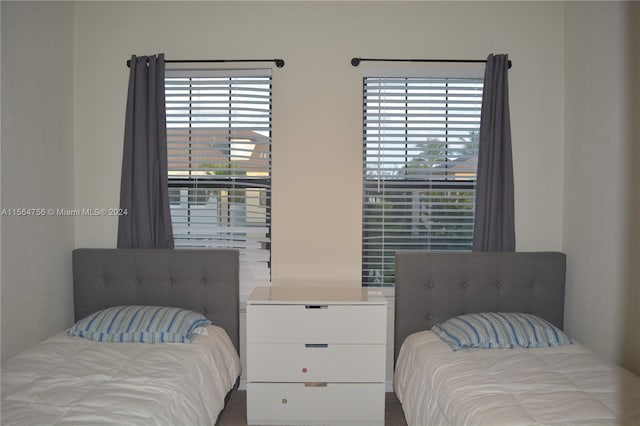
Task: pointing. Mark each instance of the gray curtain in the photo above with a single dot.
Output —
(144, 189)
(494, 226)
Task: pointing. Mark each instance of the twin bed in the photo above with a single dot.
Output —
(71, 380)
(532, 379)
(540, 379)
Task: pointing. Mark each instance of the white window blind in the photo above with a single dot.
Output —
(219, 150)
(420, 159)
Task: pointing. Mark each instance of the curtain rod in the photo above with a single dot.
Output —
(279, 62)
(356, 61)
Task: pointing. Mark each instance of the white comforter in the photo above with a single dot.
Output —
(566, 385)
(73, 381)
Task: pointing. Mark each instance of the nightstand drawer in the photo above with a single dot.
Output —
(315, 362)
(316, 323)
(315, 403)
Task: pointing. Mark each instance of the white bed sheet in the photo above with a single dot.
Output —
(74, 381)
(566, 385)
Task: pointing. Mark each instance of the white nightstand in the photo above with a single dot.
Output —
(316, 356)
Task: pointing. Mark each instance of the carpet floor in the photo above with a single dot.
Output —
(235, 412)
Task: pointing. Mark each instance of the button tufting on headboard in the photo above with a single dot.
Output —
(163, 277)
(521, 281)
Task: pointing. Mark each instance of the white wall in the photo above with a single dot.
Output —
(317, 118)
(37, 170)
(631, 341)
(599, 180)
(317, 130)
(317, 126)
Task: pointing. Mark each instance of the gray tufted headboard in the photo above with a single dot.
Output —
(202, 280)
(432, 287)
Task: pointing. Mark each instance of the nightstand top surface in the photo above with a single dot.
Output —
(330, 295)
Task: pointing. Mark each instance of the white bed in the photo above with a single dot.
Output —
(102, 373)
(75, 381)
(537, 386)
(500, 312)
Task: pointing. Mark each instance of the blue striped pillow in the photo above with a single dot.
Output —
(144, 324)
(499, 330)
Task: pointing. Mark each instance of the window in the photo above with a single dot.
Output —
(420, 158)
(219, 149)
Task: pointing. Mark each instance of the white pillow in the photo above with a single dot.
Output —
(144, 324)
(499, 330)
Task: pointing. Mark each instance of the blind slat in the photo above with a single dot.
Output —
(420, 147)
(219, 155)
